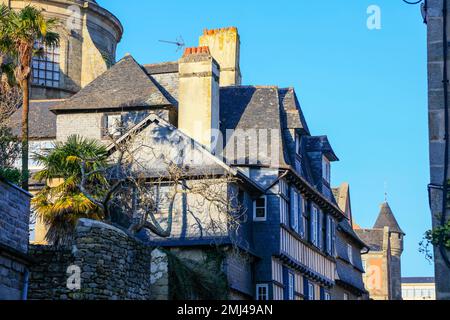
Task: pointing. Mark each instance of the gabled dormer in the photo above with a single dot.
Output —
(321, 155)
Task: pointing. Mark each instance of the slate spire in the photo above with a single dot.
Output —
(386, 218)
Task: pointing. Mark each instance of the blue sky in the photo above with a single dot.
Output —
(365, 89)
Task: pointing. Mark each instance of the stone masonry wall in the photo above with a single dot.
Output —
(105, 262)
(436, 113)
(14, 221)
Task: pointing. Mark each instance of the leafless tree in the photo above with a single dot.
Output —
(10, 100)
(149, 190)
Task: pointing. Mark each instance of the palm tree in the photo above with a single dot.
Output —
(61, 203)
(20, 31)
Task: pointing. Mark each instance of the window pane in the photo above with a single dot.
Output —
(261, 203)
(260, 213)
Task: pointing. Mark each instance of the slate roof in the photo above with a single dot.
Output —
(418, 280)
(345, 226)
(386, 218)
(321, 143)
(125, 85)
(42, 120)
(252, 107)
(291, 113)
(348, 274)
(372, 237)
(340, 195)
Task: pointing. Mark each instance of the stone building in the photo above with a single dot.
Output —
(383, 262)
(437, 16)
(89, 35)
(349, 266)
(14, 259)
(418, 288)
(288, 239)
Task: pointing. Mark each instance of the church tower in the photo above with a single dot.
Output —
(89, 37)
(387, 219)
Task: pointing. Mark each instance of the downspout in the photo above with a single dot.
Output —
(26, 279)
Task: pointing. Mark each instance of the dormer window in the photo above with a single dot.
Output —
(326, 169)
(298, 144)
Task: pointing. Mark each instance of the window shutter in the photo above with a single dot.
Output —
(322, 293)
(292, 206)
(301, 226)
(286, 283)
(333, 237)
(305, 288)
(319, 229)
(104, 125)
(312, 223)
(330, 236)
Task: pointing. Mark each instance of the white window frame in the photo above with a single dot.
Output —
(315, 223)
(346, 296)
(329, 235)
(311, 291)
(260, 219)
(327, 296)
(295, 210)
(291, 286)
(265, 296)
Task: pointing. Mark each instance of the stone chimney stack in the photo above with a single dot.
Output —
(224, 45)
(198, 100)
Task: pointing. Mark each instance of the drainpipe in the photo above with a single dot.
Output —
(26, 278)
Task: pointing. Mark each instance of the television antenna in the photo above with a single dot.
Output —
(179, 43)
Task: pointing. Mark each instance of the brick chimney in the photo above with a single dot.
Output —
(224, 45)
(198, 99)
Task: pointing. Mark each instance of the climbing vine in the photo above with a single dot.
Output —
(437, 237)
(198, 280)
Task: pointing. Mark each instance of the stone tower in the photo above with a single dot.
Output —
(382, 263)
(385, 219)
(89, 36)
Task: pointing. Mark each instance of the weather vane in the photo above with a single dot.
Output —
(385, 191)
(179, 43)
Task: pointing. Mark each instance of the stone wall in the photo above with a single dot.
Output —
(104, 263)
(14, 221)
(436, 113)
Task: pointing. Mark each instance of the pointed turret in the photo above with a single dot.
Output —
(386, 218)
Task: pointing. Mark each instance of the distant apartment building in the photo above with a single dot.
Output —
(418, 288)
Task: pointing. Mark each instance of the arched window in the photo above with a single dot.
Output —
(46, 71)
